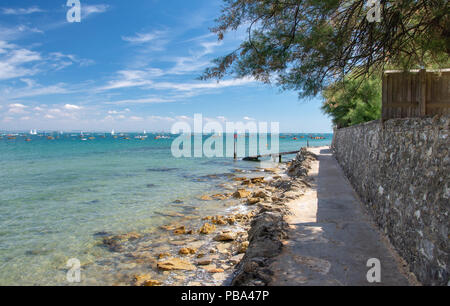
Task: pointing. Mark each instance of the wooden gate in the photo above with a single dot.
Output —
(415, 93)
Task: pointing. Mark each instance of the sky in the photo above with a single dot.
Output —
(129, 66)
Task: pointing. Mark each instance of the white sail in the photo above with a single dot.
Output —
(113, 132)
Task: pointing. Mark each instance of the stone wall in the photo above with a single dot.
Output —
(400, 169)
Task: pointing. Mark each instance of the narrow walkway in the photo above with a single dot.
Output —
(331, 237)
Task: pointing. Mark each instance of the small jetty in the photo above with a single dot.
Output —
(275, 155)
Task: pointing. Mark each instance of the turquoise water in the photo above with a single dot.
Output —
(55, 195)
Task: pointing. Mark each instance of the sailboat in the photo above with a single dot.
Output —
(33, 132)
(113, 133)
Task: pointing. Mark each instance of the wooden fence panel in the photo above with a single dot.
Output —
(415, 94)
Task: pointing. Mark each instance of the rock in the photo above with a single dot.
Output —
(168, 227)
(219, 220)
(221, 196)
(253, 201)
(231, 220)
(241, 193)
(205, 198)
(267, 233)
(225, 237)
(140, 255)
(209, 267)
(224, 248)
(257, 180)
(236, 259)
(187, 251)
(260, 194)
(246, 182)
(243, 247)
(162, 255)
(216, 270)
(219, 276)
(239, 179)
(152, 283)
(204, 261)
(180, 231)
(114, 242)
(207, 229)
(175, 264)
(177, 242)
(139, 280)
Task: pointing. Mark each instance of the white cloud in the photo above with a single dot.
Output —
(249, 118)
(22, 11)
(133, 78)
(142, 37)
(151, 100)
(39, 91)
(161, 118)
(17, 108)
(182, 117)
(72, 107)
(30, 83)
(48, 116)
(114, 112)
(136, 118)
(13, 60)
(60, 60)
(16, 32)
(17, 105)
(203, 85)
(87, 10)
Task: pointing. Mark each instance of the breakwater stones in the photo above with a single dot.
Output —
(269, 228)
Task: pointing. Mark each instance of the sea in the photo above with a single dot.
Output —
(61, 193)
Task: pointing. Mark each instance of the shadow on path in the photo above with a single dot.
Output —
(331, 237)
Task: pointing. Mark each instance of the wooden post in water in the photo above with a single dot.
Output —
(235, 139)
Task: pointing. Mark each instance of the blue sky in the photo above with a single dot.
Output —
(129, 65)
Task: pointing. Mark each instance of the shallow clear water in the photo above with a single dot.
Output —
(55, 195)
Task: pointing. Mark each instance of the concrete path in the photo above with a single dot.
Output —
(331, 237)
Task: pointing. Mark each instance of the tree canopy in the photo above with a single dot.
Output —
(354, 100)
(306, 45)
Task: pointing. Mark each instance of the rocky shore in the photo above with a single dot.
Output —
(268, 227)
(229, 249)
